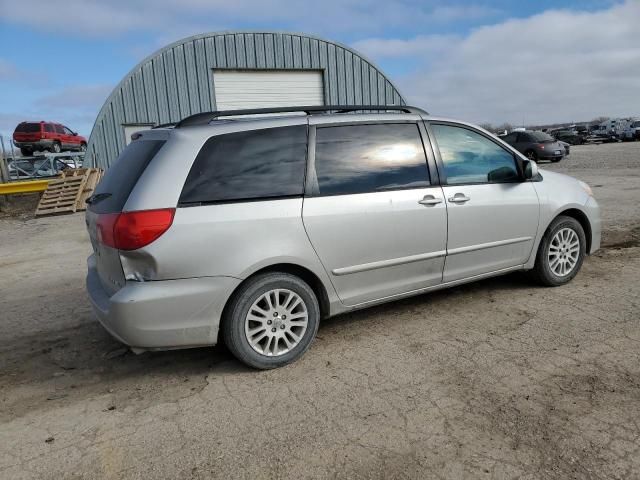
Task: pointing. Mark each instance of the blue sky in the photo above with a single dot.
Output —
(483, 61)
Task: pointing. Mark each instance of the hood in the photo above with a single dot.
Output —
(561, 187)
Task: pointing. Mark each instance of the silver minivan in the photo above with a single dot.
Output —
(251, 229)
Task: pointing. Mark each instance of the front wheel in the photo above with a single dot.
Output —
(83, 147)
(561, 252)
(271, 320)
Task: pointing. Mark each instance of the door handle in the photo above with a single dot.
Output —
(430, 200)
(459, 198)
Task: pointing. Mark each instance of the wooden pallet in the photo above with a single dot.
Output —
(68, 192)
(93, 176)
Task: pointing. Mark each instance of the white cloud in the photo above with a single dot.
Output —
(417, 48)
(77, 97)
(100, 18)
(556, 66)
(75, 106)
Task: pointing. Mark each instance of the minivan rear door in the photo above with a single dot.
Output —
(109, 198)
(372, 213)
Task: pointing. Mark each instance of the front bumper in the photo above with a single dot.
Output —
(593, 213)
(161, 314)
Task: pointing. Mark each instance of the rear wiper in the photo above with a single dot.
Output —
(97, 197)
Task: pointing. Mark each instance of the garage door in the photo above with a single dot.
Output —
(236, 89)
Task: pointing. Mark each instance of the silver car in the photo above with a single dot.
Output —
(253, 229)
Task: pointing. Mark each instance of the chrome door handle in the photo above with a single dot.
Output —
(430, 200)
(459, 198)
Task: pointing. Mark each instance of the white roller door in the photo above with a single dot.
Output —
(237, 89)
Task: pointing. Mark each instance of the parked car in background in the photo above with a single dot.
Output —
(536, 145)
(42, 136)
(567, 147)
(581, 129)
(350, 211)
(632, 132)
(571, 137)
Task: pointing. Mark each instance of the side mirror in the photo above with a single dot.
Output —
(530, 169)
(75, 134)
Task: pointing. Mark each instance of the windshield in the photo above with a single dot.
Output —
(541, 137)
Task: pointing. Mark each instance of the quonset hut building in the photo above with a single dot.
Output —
(232, 70)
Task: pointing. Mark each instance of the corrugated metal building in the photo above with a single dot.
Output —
(221, 71)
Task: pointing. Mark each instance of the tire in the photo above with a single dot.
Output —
(83, 147)
(531, 155)
(26, 152)
(55, 147)
(545, 271)
(251, 298)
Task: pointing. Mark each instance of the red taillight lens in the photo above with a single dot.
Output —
(541, 145)
(133, 230)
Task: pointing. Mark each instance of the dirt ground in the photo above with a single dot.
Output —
(497, 379)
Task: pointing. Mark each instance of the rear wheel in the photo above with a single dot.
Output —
(561, 252)
(56, 148)
(26, 151)
(531, 155)
(271, 320)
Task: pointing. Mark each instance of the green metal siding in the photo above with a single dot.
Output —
(177, 81)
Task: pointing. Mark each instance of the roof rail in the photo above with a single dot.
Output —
(205, 117)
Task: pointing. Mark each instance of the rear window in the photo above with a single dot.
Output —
(28, 127)
(116, 185)
(257, 164)
(540, 137)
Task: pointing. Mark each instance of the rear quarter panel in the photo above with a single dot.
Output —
(231, 240)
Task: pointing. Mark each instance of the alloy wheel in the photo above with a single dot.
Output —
(564, 252)
(276, 322)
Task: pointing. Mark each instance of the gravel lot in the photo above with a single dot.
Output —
(497, 379)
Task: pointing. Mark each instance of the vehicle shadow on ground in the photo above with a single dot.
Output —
(87, 350)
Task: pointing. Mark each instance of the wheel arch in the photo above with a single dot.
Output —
(299, 271)
(582, 218)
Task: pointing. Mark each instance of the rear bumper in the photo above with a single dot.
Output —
(546, 156)
(161, 314)
(35, 144)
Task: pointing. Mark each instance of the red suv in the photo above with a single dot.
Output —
(54, 137)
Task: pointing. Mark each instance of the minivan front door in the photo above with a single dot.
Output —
(492, 213)
(371, 213)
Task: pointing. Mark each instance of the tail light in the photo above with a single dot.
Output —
(133, 230)
(541, 145)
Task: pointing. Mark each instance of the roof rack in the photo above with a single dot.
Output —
(205, 117)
